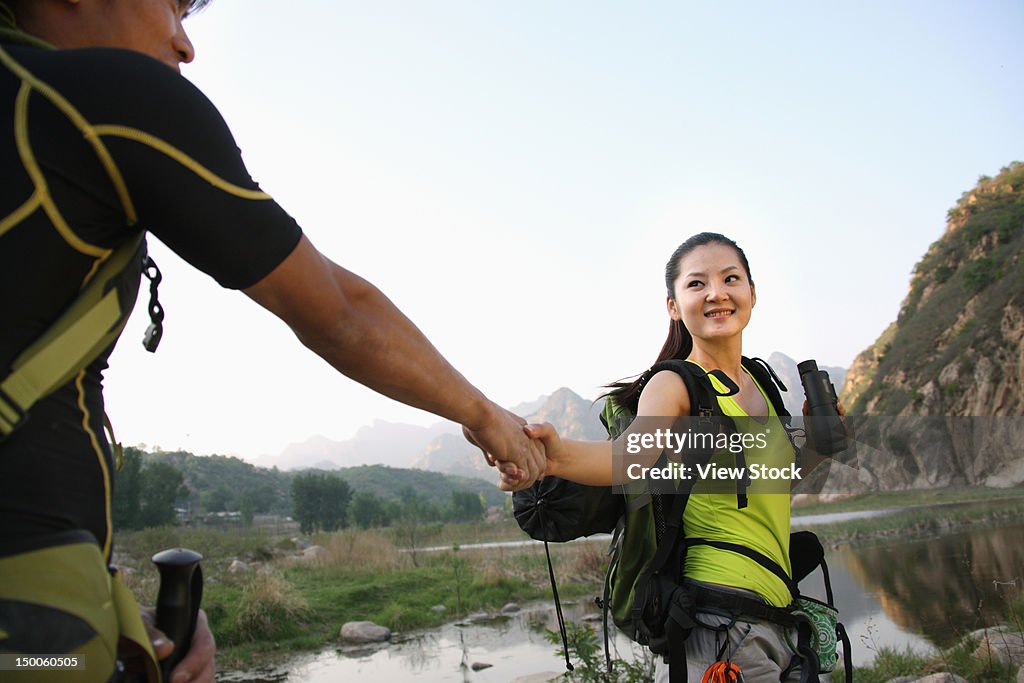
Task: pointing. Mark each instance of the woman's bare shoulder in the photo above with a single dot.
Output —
(664, 394)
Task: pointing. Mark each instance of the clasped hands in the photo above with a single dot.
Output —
(516, 449)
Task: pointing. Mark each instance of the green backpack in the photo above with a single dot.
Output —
(642, 590)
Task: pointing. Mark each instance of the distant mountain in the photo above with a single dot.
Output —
(529, 407)
(452, 454)
(574, 417)
(382, 443)
(785, 368)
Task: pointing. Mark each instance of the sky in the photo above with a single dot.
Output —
(514, 176)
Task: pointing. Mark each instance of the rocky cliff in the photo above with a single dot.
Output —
(955, 352)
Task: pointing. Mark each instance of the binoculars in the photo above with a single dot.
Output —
(826, 434)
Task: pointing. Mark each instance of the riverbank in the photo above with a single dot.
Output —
(281, 597)
(267, 598)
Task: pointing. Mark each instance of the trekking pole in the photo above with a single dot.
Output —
(177, 603)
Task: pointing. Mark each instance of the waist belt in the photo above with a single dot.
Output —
(735, 605)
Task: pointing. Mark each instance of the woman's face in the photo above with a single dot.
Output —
(713, 295)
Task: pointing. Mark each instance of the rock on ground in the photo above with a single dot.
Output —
(365, 632)
(1006, 646)
(315, 552)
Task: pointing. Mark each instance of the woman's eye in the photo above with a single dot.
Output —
(732, 278)
(694, 283)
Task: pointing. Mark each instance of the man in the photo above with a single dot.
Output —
(99, 146)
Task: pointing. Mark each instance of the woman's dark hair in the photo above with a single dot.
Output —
(679, 343)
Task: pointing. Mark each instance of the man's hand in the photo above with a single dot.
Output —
(554, 451)
(198, 666)
(505, 445)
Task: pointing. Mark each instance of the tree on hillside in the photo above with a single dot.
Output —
(125, 506)
(320, 501)
(416, 511)
(219, 499)
(246, 508)
(367, 510)
(161, 485)
(144, 495)
(466, 506)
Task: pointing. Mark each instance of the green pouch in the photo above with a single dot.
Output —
(823, 618)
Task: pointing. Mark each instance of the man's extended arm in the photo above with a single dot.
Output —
(353, 326)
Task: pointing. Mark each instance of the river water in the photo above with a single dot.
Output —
(920, 594)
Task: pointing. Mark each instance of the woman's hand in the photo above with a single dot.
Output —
(839, 408)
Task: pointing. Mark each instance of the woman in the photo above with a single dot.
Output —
(710, 299)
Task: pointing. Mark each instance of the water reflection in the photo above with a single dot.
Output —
(512, 646)
(943, 587)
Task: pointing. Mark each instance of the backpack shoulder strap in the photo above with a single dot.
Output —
(703, 395)
(91, 324)
(769, 381)
(771, 384)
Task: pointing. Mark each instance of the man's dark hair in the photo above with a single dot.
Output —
(195, 5)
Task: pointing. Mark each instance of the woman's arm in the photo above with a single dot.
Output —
(602, 463)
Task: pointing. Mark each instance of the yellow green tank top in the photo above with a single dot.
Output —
(763, 525)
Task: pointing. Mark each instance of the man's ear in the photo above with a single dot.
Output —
(673, 310)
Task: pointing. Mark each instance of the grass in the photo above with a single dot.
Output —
(900, 499)
(918, 520)
(965, 659)
(281, 604)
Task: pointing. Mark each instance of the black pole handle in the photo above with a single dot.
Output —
(177, 603)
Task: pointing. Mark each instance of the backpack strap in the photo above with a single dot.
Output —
(83, 331)
(703, 395)
(704, 403)
(763, 560)
(91, 323)
(769, 382)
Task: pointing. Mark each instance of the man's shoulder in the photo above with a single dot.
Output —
(88, 63)
(112, 86)
(92, 78)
